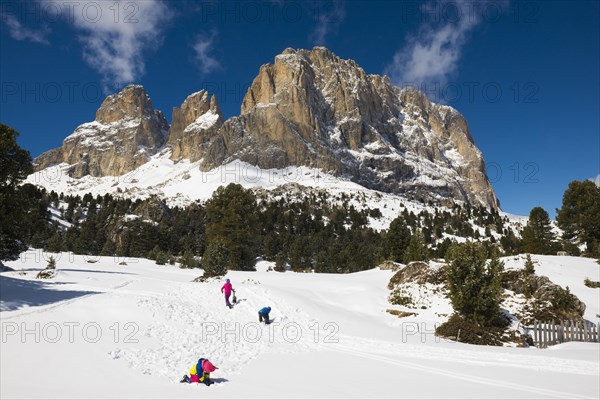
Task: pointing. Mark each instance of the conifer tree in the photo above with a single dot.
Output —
(232, 218)
(529, 266)
(108, 248)
(280, 262)
(161, 258)
(529, 272)
(51, 263)
(271, 246)
(322, 262)
(579, 217)
(474, 284)
(417, 249)
(538, 237)
(15, 165)
(299, 254)
(55, 243)
(189, 260)
(216, 259)
(397, 239)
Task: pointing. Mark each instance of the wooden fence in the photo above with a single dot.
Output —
(549, 333)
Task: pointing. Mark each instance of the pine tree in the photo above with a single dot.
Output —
(153, 254)
(231, 215)
(189, 260)
(216, 259)
(51, 263)
(397, 239)
(490, 296)
(55, 243)
(272, 246)
(70, 238)
(443, 247)
(161, 258)
(529, 266)
(529, 271)
(108, 248)
(439, 231)
(510, 243)
(69, 212)
(280, 262)
(299, 254)
(86, 242)
(579, 217)
(538, 237)
(143, 238)
(15, 165)
(417, 249)
(474, 285)
(322, 262)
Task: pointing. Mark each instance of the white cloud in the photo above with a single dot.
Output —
(432, 56)
(115, 35)
(19, 32)
(327, 20)
(203, 46)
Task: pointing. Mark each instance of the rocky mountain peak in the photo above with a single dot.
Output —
(312, 108)
(126, 132)
(194, 124)
(130, 103)
(214, 106)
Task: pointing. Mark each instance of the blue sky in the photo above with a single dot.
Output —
(525, 74)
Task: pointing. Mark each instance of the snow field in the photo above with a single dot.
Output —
(155, 323)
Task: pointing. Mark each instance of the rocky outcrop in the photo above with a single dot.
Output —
(311, 108)
(126, 132)
(194, 124)
(389, 266)
(152, 209)
(547, 300)
(418, 272)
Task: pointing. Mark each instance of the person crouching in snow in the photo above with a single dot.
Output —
(263, 314)
(227, 289)
(200, 373)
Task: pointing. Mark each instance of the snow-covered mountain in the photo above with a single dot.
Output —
(309, 109)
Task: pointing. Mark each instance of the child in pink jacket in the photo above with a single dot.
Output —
(227, 289)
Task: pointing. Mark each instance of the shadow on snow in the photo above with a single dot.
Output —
(18, 293)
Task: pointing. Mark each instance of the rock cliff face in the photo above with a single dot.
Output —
(127, 131)
(314, 109)
(310, 108)
(194, 124)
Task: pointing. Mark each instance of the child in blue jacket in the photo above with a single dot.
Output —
(263, 314)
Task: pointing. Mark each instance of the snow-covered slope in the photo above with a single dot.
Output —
(181, 183)
(106, 330)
